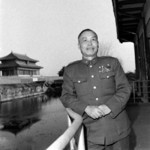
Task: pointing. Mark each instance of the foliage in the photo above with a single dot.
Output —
(131, 76)
(61, 72)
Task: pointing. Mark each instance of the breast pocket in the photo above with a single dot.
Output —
(81, 86)
(108, 79)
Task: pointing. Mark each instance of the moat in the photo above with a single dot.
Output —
(31, 123)
(34, 123)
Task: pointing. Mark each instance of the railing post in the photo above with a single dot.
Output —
(81, 144)
(133, 91)
(72, 141)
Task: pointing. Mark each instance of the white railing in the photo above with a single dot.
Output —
(68, 136)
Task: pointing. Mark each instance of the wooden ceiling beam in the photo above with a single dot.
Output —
(129, 24)
(131, 9)
(128, 2)
(129, 32)
(128, 20)
(128, 15)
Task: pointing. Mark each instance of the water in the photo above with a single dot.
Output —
(31, 123)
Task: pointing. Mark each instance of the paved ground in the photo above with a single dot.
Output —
(140, 118)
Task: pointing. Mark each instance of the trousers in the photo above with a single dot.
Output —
(122, 144)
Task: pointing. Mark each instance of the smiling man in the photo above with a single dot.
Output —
(97, 89)
(88, 44)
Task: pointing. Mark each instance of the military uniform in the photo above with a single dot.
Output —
(97, 82)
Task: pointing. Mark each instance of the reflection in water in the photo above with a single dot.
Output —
(19, 114)
(31, 123)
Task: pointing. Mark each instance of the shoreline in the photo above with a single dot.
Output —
(15, 87)
(19, 97)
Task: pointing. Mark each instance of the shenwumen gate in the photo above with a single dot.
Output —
(133, 25)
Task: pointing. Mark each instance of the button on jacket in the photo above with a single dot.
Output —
(97, 82)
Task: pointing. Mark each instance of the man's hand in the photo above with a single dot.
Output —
(94, 112)
(106, 110)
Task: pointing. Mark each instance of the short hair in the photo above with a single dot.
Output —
(85, 30)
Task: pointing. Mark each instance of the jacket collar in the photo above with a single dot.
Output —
(90, 62)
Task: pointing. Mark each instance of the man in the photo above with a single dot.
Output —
(97, 89)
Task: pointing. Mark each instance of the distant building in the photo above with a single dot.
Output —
(17, 64)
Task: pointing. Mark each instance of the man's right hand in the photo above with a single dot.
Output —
(94, 112)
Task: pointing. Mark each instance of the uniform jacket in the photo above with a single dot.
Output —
(96, 82)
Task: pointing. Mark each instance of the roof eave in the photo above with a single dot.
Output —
(127, 15)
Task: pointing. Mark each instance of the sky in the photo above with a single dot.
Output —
(47, 30)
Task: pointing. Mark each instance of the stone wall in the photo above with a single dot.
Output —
(14, 91)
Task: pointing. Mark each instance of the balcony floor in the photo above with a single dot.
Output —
(139, 115)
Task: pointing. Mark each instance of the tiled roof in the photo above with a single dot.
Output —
(29, 65)
(17, 64)
(13, 55)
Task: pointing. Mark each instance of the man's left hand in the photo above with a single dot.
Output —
(106, 110)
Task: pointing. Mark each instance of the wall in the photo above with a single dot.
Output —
(15, 91)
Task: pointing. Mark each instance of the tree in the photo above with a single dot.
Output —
(61, 72)
(131, 76)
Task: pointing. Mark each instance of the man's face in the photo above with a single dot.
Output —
(88, 44)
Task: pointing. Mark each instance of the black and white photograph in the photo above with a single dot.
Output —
(74, 74)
